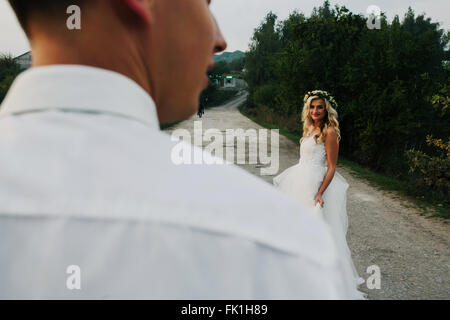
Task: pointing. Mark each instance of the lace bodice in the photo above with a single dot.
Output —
(312, 153)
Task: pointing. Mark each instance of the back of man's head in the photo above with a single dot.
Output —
(166, 46)
(45, 9)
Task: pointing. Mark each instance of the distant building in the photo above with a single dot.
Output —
(232, 82)
(24, 60)
(229, 81)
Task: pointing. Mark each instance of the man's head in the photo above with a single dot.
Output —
(167, 46)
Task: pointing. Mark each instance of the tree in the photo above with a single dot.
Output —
(9, 70)
(260, 60)
(384, 80)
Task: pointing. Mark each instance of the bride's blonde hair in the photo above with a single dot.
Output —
(330, 119)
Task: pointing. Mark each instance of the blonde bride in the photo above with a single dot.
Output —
(314, 181)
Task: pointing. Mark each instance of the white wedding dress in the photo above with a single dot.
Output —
(302, 181)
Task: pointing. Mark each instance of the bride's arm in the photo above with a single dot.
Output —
(332, 150)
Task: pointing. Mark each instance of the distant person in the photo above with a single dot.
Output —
(203, 100)
(91, 205)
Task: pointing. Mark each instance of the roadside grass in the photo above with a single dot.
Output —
(422, 199)
(219, 97)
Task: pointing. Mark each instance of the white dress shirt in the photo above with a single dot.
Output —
(86, 180)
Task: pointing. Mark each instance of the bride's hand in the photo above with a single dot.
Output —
(318, 199)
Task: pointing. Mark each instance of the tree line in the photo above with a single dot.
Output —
(232, 67)
(9, 70)
(391, 85)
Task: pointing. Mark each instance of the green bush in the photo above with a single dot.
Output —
(432, 172)
(219, 97)
(216, 96)
(9, 70)
(266, 95)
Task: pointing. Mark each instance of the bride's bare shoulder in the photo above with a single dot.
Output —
(332, 136)
(332, 133)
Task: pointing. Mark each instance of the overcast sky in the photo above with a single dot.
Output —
(238, 18)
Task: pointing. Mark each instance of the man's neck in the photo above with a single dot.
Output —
(48, 52)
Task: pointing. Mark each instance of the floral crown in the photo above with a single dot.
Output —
(322, 94)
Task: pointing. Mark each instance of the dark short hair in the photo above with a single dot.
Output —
(51, 8)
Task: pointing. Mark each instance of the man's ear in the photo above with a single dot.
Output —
(142, 8)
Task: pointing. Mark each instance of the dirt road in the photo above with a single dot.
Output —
(386, 230)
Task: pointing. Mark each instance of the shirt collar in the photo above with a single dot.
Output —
(79, 88)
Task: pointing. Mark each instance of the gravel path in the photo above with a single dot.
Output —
(385, 229)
